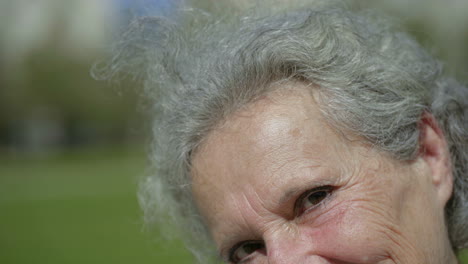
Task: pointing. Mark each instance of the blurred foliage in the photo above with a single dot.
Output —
(463, 257)
(62, 88)
(64, 84)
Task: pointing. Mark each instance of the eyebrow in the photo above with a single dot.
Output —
(296, 190)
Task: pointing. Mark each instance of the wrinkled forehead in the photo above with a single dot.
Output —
(271, 125)
(258, 126)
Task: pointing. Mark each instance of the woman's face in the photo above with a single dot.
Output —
(276, 184)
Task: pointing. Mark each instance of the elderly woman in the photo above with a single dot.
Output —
(301, 134)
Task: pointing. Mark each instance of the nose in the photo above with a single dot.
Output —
(291, 247)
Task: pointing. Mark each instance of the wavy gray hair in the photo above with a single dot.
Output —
(198, 68)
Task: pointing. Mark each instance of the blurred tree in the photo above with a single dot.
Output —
(47, 96)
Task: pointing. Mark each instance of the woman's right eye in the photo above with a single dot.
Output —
(312, 199)
(244, 250)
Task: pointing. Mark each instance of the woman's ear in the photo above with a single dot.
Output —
(433, 149)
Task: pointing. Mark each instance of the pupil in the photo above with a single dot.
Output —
(317, 197)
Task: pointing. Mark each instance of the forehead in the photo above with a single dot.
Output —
(255, 156)
(276, 119)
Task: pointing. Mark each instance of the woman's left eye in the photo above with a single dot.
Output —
(311, 199)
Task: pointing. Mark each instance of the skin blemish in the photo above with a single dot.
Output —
(295, 133)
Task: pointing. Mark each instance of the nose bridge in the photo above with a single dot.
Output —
(286, 245)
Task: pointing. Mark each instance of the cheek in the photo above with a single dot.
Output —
(352, 232)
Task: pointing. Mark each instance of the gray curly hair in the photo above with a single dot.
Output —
(199, 68)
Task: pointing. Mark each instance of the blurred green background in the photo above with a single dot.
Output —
(77, 207)
(72, 149)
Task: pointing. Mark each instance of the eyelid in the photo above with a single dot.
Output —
(300, 201)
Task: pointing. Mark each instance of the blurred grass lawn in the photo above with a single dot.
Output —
(78, 208)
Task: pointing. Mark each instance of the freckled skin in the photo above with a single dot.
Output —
(380, 211)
